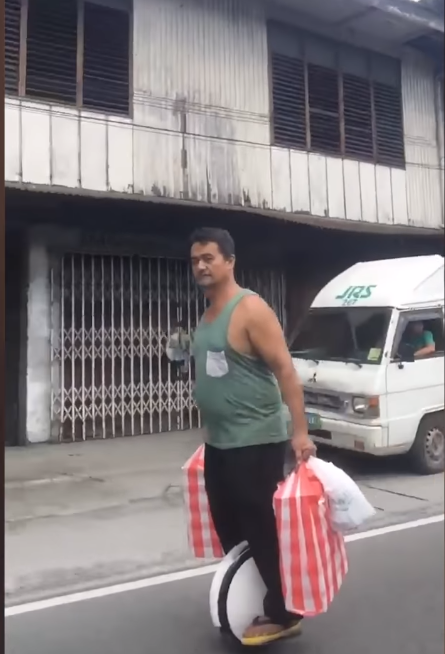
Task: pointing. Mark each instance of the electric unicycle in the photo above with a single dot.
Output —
(237, 593)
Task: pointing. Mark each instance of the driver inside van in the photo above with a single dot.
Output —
(420, 339)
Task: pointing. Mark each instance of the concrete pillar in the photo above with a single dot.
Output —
(38, 373)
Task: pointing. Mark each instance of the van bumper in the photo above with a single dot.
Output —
(355, 436)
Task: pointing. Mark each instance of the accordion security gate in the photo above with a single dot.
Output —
(112, 320)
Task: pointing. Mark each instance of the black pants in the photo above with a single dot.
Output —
(240, 485)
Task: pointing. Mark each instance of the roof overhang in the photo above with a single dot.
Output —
(395, 24)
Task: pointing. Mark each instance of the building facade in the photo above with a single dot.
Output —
(300, 112)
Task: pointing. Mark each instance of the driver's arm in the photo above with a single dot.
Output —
(429, 346)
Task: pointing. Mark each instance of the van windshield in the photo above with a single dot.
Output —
(349, 334)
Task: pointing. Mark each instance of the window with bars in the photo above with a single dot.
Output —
(70, 52)
(335, 100)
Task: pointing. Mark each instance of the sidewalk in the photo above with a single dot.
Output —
(57, 480)
(89, 514)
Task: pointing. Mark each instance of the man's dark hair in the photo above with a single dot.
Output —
(221, 237)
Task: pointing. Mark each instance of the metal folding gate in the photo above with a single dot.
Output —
(112, 319)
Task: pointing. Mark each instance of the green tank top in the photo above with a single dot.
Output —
(238, 396)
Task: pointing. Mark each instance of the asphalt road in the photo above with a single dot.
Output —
(391, 602)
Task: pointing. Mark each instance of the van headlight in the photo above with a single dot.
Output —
(368, 407)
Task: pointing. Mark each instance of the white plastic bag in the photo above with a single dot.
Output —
(348, 507)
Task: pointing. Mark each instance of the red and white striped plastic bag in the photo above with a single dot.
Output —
(203, 539)
(312, 555)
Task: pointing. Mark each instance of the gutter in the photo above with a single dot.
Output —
(410, 11)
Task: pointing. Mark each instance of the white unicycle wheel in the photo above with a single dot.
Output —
(237, 592)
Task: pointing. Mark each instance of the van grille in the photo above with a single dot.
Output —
(323, 400)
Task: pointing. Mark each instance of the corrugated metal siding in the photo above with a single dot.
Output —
(57, 146)
(423, 176)
(207, 58)
(201, 129)
(441, 136)
(418, 100)
(440, 102)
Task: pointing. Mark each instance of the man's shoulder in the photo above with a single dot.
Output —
(253, 307)
(253, 302)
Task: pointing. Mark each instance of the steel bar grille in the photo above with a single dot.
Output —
(112, 319)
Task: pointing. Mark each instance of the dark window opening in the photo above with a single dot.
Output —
(389, 125)
(289, 102)
(358, 117)
(106, 59)
(12, 45)
(87, 67)
(324, 109)
(51, 53)
(350, 107)
(434, 325)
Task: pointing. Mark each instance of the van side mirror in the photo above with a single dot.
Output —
(406, 353)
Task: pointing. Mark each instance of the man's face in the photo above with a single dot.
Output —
(209, 266)
(417, 328)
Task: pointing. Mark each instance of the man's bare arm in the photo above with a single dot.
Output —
(424, 351)
(267, 339)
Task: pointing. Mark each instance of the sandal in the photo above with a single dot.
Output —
(263, 631)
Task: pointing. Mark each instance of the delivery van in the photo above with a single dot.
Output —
(370, 356)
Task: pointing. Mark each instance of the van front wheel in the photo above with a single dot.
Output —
(427, 452)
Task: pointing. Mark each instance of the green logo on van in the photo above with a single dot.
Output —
(355, 293)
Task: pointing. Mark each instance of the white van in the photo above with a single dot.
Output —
(371, 382)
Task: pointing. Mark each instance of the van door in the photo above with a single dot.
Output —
(416, 387)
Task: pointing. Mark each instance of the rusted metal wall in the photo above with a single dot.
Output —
(204, 99)
(206, 59)
(421, 123)
(441, 135)
(200, 129)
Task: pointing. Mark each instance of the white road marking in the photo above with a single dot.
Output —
(372, 533)
(189, 574)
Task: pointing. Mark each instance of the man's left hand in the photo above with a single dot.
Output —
(303, 447)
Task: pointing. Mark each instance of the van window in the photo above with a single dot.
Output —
(421, 330)
(356, 334)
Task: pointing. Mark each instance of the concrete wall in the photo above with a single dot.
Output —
(200, 129)
(15, 338)
(38, 350)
